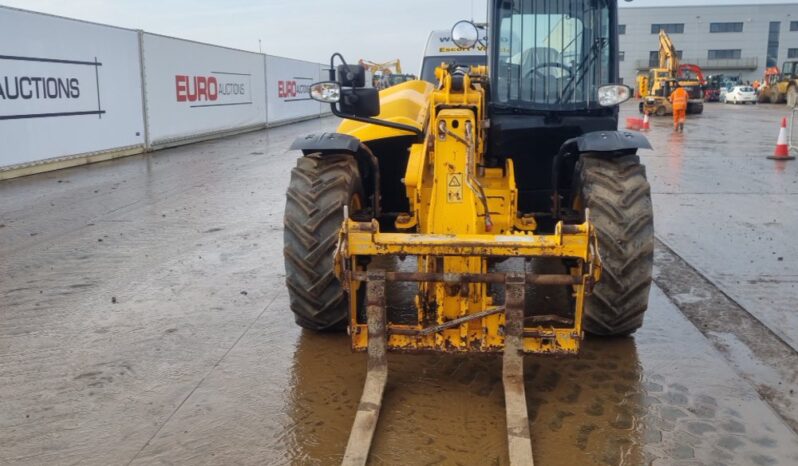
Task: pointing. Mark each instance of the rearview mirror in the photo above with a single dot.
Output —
(465, 34)
(362, 102)
(352, 75)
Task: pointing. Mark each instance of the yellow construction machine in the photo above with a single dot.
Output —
(461, 190)
(643, 86)
(661, 80)
(386, 74)
(780, 86)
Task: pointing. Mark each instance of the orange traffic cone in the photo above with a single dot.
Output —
(634, 124)
(782, 151)
(646, 124)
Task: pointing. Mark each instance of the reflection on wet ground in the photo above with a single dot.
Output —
(662, 397)
(196, 360)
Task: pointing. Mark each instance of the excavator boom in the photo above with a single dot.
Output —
(668, 56)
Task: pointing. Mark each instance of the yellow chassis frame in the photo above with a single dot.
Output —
(471, 332)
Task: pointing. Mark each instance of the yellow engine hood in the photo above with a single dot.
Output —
(404, 103)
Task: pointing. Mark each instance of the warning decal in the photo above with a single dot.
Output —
(454, 188)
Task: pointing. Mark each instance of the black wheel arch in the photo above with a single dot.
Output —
(338, 143)
(605, 144)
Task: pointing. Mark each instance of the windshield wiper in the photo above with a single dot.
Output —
(577, 77)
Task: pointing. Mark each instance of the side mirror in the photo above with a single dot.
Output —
(362, 102)
(465, 34)
(352, 75)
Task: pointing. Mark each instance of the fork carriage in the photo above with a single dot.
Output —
(454, 311)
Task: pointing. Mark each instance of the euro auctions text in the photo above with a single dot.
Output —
(38, 87)
(208, 88)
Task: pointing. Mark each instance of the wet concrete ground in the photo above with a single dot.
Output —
(729, 211)
(144, 320)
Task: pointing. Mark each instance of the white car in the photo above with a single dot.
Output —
(722, 94)
(741, 95)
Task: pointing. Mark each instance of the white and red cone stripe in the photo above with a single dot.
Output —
(646, 124)
(782, 151)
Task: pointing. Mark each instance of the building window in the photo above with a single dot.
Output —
(621, 29)
(622, 55)
(730, 54)
(725, 27)
(793, 25)
(773, 43)
(675, 28)
(792, 53)
(653, 57)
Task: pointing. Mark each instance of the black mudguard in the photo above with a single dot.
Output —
(326, 142)
(610, 141)
(604, 143)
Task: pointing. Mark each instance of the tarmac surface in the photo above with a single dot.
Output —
(145, 320)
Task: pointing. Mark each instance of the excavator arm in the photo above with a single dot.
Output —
(668, 57)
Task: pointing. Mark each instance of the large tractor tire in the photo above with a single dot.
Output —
(695, 108)
(619, 198)
(321, 185)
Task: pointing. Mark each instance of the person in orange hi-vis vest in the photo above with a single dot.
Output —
(679, 98)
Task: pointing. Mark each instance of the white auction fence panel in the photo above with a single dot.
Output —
(67, 88)
(288, 82)
(194, 90)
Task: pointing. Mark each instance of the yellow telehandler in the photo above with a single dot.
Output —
(439, 185)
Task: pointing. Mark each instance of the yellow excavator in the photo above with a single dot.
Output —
(386, 74)
(424, 221)
(660, 82)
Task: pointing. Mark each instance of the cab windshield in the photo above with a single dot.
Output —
(552, 54)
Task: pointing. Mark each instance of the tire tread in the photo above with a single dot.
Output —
(320, 186)
(619, 198)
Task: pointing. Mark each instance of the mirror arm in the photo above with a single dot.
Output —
(376, 121)
(332, 64)
(412, 129)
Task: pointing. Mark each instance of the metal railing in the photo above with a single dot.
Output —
(790, 141)
(745, 63)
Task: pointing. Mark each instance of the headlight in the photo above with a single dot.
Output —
(326, 91)
(613, 94)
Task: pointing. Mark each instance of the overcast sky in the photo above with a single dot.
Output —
(376, 30)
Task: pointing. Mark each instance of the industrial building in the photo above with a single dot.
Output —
(736, 40)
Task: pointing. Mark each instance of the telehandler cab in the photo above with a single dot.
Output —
(519, 159)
